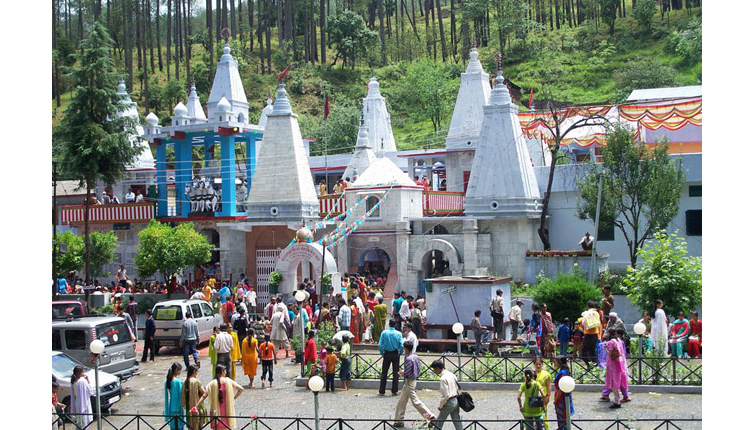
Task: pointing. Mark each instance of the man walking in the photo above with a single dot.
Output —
(390, 344)
(449, 391)
(410, 337)
(410, 373)
(515, 318)
(344, 315)
(496, 311)
(149, 336)
(223, 345)
(189, 338)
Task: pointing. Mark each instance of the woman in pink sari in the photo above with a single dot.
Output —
(222, 393)
(616, 368)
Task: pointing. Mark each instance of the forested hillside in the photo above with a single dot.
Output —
(573, 51)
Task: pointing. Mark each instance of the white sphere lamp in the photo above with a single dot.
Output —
(566, 384)
(315, 384)
(300, 296)
(96, 346)
(457, 328)
(639, 328)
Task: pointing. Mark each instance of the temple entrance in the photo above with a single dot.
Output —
(374, 262)
(435, 264)
(213, 237)
(309, 258)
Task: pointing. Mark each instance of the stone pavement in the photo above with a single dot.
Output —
(144, 394)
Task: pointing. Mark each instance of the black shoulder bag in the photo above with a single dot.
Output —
(465, 399)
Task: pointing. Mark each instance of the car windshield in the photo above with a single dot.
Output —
(62, 366)
(64, 310)
(168, 313)
(114, 333)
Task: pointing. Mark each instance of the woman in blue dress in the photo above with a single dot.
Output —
(173, 386)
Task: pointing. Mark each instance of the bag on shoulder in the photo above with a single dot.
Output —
(535, 401)
(466, 403)
(591, 319)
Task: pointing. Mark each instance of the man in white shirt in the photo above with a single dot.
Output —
(449, 390)
(515, 318)
(130, 197)
(409, 336)
(586, 242)
(251, 299)
(223, 345)
(405, 310)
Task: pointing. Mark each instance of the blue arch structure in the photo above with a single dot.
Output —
(183, 141)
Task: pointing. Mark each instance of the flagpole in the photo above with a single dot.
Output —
(325, 137)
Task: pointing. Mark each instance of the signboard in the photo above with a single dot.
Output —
(449, 290)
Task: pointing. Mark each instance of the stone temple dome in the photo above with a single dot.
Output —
(383, 172)
(180, 109)
(223, 105)
(152, 119)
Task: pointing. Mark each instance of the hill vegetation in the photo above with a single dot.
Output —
(573, 51)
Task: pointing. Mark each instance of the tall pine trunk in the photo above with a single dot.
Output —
(261, 19)
(279, 22)
(322, 31)
(148, 23)
(157, 36)
(250, 11)
(428, 42)
(442, 33)
(139, 59)
(233, 20)
(127, 31)
(381, 12)
(170, 25)
(177, 34)
(187, 34)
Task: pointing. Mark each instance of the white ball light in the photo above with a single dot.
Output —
(458, 328)
(300, 296)
(315, 383)
(566, 384)
(640, 328)
(96, 346)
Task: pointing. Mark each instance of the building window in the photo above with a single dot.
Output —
(695, 190)
(605, 231)
(694, 222)
(372, 201)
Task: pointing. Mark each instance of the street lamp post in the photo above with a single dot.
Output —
(458, 329)
(315, 385)
(300, 296)
(566, 384)
(96, 347)
(639, 330)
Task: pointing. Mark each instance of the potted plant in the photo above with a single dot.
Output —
(274, 281)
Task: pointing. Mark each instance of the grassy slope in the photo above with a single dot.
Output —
(582, 83)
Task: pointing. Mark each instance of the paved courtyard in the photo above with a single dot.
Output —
(144, 394)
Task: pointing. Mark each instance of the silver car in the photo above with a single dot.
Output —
(74, 336)
(170, 315)
(62, 369)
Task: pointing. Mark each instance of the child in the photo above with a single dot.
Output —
(268, 357)
(330, 369)
(531, 338)
(323, 354)
(55, 404)
(564, 337)
(577, 338)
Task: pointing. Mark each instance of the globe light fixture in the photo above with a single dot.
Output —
(458, 328)
(639, 328)
(96, 346)
(566, 384)
(300, 296)
(315, 383)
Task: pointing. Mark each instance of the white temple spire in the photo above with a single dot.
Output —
(194, 106)
(474, 91)
(227, 83)
(377, 118)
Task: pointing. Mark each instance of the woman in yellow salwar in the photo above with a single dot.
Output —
(222, 393)
(192, 391)
(235, 353)
(212, 352)
(249, 351)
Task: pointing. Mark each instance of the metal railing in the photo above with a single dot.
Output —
(641, 370)
(152, 421)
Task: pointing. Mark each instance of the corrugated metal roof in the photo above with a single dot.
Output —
(666, 93)
(70, 188)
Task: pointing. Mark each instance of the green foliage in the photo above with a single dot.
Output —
(73, 258)
(687, 42)
(641, 189)
(642, 72)
(274, 281)
(102, 248)
(296, 342)
(283, 56)
(200, 74)
(93, 139)
(343, 127)
(608, 12)
(170, 249)
(511, 18)
(667, 274)
(105, 310)
(66, 50)
(171, 93)
(427, 91)
(351, 37)
(566, 295)
(325, 332)
(643, 13)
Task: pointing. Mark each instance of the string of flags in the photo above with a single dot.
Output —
(340, 233)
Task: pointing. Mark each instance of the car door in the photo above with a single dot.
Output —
(213, 320)
(75, 345)
(196, 313)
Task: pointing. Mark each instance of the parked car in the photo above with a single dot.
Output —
(74, 336)
(68, 309)
(170, 315)
(62, 369)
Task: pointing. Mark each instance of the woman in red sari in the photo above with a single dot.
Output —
(356, 322)
(694, 347)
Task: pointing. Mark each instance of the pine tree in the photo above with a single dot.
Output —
(94, 140)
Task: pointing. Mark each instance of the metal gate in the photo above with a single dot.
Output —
(266, 260)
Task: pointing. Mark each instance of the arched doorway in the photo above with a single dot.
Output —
(294, 256)
(375, 262)
(435, 264)
(213, 237)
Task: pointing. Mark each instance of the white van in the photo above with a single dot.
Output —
(170, 315)
(62, 369)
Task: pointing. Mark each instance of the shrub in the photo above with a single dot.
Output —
(668, 274)
(566, 295)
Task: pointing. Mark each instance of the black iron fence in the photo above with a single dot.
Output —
(157, 422)
(641, 370)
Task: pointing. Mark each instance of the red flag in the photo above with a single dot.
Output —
(327, 106)
(282, 75)
(530, 97)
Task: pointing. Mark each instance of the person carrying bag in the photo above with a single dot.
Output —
(533, 406)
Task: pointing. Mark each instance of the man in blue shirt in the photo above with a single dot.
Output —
(224, 293)
(412, 367)
(391, 342)
(189, 339)
(397, 302)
